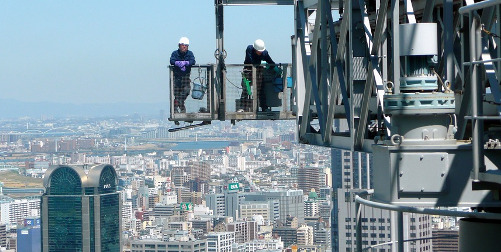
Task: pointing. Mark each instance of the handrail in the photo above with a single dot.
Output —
(400, 209)
(429, 211)
(477, 6)
(481, 61)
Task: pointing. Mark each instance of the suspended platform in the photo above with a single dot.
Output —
(248, 92)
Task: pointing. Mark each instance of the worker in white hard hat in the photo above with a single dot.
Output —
(255, 54)
(182, 59)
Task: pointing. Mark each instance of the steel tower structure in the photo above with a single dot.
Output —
(418, 83)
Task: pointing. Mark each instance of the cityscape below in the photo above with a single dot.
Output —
(128, 184)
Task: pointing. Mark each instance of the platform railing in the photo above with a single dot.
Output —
(258, 92)
(475, 64)
(398, 245)
(199, 103)
(249, 92)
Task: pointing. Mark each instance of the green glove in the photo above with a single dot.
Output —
(247, 85)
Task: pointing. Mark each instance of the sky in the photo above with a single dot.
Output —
(112, 51)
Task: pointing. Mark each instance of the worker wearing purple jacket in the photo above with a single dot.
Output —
(182, 59)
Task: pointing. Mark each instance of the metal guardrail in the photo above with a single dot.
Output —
(477, 6)
(407, 209)
(271, 85)
(477, 117)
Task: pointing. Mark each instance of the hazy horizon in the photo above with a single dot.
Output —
(89, 52)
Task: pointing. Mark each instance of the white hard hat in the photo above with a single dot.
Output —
(184, 40)
(259, 45)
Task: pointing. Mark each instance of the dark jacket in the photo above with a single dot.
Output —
(187, 56)
(251, 57)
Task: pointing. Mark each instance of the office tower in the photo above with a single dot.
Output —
(258, 198)
(291, 203)
(445, 239)
(232, 201)
(215, 202)
(305, 235)
(346, 171)
(244, 230)
(15, 211)
(376, 226)
(199, 170)
(179, 176)
(81, 211)
(28, 236)
(325, 193)
(220, 241)
(3, 236)
(311, 206)
(204, 225)
(287, 234)
(322, 238)
(248, 209)
(309, 178)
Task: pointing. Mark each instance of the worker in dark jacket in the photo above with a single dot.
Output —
(182, 59)
(254, 54)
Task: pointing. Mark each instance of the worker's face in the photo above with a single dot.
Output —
(183, 47)
(258, 52)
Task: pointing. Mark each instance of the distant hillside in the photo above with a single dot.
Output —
(12, 179)
(17, 109)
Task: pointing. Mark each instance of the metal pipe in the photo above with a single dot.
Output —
(395, 9)
(449, 42)
(400, 234)
(481, 62)
(358, 226)
(477, 6)
(483, 117)
(476, 93)
(360, 170)
(429, 211)
(359, 217)
(367, 170)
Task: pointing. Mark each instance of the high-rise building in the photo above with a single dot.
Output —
(28, 236)
(445, 239)
(312, 205)
(232, 201)
(226, 204)
(199, 170)
(3, 236)
(220, 241)
(248, 209)
(309, 178)
(376, 226)
(305, 235)
(287, 234)
(244, 230)
(291, 203)
(15, 211)
(252, 200)
(81, 209)
(215, 202)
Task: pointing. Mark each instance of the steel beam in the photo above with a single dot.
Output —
(372, 74)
